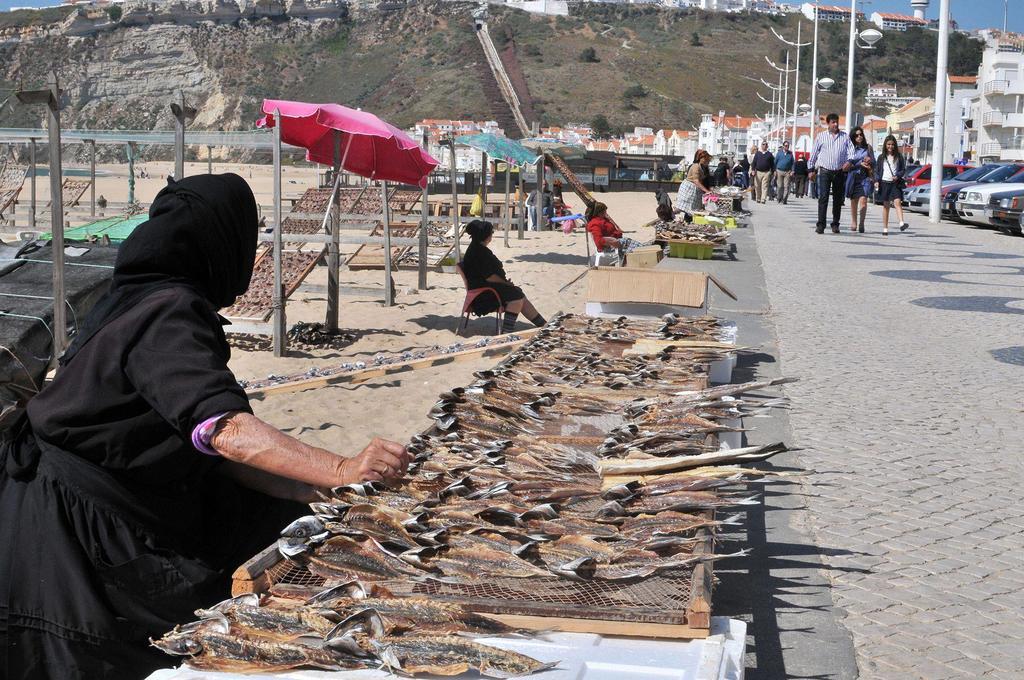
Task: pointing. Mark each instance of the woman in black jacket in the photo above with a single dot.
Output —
(484, 270)
(891, 171)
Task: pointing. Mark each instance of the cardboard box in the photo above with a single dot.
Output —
(645, 258)
(648, 292)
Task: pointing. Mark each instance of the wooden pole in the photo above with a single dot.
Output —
(421, 282)
(483, 181)
(521, 205)
(60, 328)
(131, 172)
(280, 321)
(209, 159)
(538, 197)
(455, 205)
(508, 215)
(32, 184)
(181, 114)
(92, 178)
(389, 283)
(51, 97)
(334, 248)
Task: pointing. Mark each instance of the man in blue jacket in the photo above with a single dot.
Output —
(783, 171)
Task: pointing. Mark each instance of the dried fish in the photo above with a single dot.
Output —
(411, 613)
(210, 645)
(246, 613)
(347, 558)
(450, 655)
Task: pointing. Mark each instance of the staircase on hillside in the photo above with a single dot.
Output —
(498, 87)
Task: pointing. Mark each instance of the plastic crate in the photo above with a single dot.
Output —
(728, 223)
(691, 251)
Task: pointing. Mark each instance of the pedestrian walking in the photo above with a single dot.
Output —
(891, 172)
(739, 173)
(800, 178)
(860, 181)
(827, 167)
(784, 171)
(721, 175)
(752, 176)
(764, 166)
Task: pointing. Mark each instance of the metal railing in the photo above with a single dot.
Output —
(997, 86)
(504, 82)
(991, 149)
(993, 118)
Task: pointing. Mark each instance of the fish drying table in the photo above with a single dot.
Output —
(582, 656)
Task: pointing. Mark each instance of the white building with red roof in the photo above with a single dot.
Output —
(888, 21)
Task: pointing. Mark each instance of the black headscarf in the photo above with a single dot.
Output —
(201, 234)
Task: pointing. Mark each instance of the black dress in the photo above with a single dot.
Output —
(113, 527)
(478, 263)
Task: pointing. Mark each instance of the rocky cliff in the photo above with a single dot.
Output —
(413, 59)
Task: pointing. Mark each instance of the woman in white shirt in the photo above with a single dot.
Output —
(890, 171)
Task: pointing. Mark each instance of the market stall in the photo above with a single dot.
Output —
(570, 488)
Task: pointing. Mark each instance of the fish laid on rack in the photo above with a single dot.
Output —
(212, 645)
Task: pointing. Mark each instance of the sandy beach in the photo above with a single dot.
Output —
(343, 418)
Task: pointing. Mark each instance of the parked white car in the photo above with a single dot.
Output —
(972, 202)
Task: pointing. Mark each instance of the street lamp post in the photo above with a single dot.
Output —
(941, 75)
(870, 36)
(796, 82)
(849, 65)
(814, 79)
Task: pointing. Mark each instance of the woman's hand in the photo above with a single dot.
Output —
(381, 460)
(613, 242)
(244, 438)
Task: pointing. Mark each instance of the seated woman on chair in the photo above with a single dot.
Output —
(484, 270)
(606, 234)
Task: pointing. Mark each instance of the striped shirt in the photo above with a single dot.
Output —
(829, 152)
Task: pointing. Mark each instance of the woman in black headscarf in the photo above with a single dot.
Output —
(483, 269)
(138, 479)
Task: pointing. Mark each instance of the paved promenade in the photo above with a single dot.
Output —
(910, 410)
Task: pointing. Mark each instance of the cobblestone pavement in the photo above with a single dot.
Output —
(910, 354)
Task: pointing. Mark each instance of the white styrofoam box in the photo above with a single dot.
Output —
(721, 371)
(731, 440)
(613, 310)
(581, 656)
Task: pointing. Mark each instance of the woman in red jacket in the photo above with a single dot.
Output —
(606, 233)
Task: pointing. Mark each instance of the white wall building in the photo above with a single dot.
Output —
(829, 12)
(896, 22)
(1000, 112)
(962, 90)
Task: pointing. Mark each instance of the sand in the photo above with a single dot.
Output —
(344, 418)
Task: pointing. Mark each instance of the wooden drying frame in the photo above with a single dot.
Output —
(372, 372)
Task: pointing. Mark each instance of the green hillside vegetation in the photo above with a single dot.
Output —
(632, 65)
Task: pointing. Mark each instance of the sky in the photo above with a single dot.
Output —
(969, 14)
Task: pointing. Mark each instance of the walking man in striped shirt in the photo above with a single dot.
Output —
(827, 167)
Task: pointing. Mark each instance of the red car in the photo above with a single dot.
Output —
(923, 174)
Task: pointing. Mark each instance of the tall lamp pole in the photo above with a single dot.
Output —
(941, 75)
(849, 66)
(814, 79)
(796, 83)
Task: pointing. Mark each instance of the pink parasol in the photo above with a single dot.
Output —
(370, 147)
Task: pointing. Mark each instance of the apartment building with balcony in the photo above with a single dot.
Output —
(828, 12)
(999, 115)
(888, 21)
